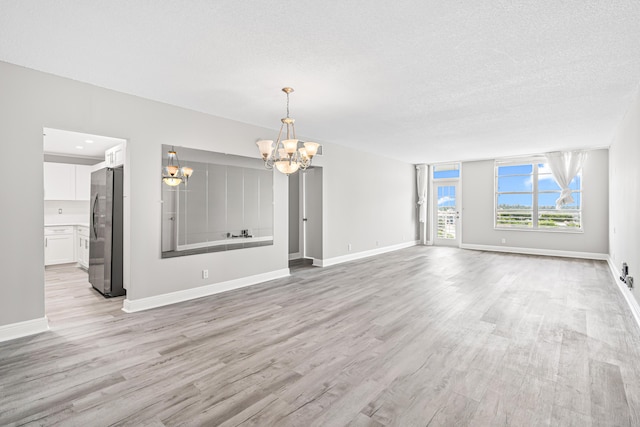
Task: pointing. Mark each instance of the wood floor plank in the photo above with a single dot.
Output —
(608, 397)
(420, 336)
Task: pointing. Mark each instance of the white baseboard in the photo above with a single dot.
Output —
(23, 329)
(625, 291)
(364, 254)
(132, 306)
(296, 255)
(532, 251)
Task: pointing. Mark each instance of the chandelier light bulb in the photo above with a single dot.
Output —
(187, 171)
(171, 181)
(311, 148)
(286, 167)
(172, 170)
(265, 146)
(290, 145)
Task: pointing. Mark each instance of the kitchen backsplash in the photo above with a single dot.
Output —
(73, 211)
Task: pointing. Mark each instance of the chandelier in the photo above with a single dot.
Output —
(173, 174)
(290, 154)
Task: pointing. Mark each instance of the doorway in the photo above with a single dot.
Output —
(446, 205)
(305, 215)
(70, 158)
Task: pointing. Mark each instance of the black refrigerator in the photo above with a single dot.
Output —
(105, 230)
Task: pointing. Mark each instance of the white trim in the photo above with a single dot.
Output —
(132, 306)
(296, 255)
(23, 329)
(625, 291)
(364, 254)
(533, 251)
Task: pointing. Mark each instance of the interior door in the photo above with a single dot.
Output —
(169, 218)
(446, 214)
(312, 213)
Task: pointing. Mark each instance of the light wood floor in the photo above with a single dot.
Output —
(421, 336)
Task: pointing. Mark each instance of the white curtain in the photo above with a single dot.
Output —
(422, 176)
(564, 167)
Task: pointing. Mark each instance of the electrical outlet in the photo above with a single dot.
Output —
(349, 247)
(60, 211)
(504, 240)
(205, 274)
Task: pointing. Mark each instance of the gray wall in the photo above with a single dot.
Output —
(478, 211)
(624, 205)
(32, 100)
(366, 197)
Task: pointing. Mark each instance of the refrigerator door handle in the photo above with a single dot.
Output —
(95, 216)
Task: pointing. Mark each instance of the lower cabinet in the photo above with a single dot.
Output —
(83, 246)
(58, 245)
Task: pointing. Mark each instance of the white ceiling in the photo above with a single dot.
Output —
(77, 144)
(417, 80)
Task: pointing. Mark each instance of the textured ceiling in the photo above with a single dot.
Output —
(421, 81)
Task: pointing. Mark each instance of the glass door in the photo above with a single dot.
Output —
(447, 213)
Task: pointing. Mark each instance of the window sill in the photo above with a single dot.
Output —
(541, 230)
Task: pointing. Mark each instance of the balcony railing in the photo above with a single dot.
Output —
(547, 218)
(446, 224)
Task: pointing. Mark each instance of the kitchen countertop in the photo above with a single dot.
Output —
(66, 224)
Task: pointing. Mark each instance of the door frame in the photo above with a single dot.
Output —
(302, 215)
(300, 220)
(126, 206)
(318, 198)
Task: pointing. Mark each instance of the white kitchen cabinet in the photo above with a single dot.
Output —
(114, 157)
(59, 181)
(82, 239)
(64, 181)
(83, 182)
(59, 245)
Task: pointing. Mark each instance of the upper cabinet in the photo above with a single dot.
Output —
(59, 181)
(114, 157)
(83, 182)
(63, 181)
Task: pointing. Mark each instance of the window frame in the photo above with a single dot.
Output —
(455, 166)
(535, 194)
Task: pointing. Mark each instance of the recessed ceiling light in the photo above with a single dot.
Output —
(89, 141)
(79, 147)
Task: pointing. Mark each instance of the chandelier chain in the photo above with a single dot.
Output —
(287, 104)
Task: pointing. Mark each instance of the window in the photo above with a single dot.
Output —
(444, 171)
(526, 194)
